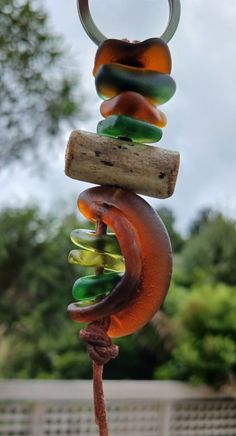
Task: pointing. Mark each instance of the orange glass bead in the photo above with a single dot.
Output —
(152, 54)
(133, 105)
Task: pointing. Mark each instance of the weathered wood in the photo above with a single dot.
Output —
(146, 170)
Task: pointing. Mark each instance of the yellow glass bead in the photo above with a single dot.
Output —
(89, 240)
(97, 259)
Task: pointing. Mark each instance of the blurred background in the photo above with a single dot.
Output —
(47, 89)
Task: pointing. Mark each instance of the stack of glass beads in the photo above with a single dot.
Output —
(133, 78)
(98, 251)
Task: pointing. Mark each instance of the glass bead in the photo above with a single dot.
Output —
(88, 239)
(92, 287)
(152, 54)
(112, 79)
(133, 105)
(121, 126)
(97, 260)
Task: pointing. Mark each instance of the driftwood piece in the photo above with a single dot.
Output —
(146, 170)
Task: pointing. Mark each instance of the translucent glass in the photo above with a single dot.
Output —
(112, 79)
(121, 126)
(88, 239)
(97, 259)
(92, 287)
(135, 106)
(152, 54)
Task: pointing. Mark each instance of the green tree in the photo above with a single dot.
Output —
(139, 354)
(203, 217)
(168, 218)
(37, 338)
(204, 332)
(37, 91)
(210, 255)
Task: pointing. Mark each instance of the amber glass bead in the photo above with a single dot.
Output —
(133, 105)
(112, 79)
(97, 259)
(88, 239)
(123, 127)
(91, 287)
(152, 54)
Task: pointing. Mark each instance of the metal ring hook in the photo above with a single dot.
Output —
(97, 37)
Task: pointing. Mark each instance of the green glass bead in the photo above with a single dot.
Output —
(88, 239)
(91, 288)
(112, 79)
(121, 126)
(97, 260)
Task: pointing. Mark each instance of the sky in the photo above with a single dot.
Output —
(201, 115)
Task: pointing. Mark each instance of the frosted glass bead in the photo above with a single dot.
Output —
(97, 259)
(88, 239)
(89, 288)
(152, 54)
(133, 105)
(112, 79)
(121, 126)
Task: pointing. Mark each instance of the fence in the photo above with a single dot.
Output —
(40, 408)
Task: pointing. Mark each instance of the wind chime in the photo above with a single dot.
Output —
(133, 264)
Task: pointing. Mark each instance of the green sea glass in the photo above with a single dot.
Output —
(112, 79)
(91, 288)
(97, 260)
(88, 239)
(121, 126)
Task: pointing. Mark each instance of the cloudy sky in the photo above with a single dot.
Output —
(201, 116)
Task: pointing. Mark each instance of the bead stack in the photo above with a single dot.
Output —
(133, 78)
(98, 251)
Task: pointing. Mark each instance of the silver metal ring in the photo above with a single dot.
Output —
(97, 37)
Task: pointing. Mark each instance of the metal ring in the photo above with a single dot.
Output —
(97, 37)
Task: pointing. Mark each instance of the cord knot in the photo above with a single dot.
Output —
(99, 345)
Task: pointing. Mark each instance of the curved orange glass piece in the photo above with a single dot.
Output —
(152, 54)
(133, 105)
(146, 248)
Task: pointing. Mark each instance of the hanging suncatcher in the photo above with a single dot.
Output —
(132, 264)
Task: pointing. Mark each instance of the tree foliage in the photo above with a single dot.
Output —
(37, 91)
(35, 289)
(203, 217)
(204, 326)
(210, 254)
(168, 218)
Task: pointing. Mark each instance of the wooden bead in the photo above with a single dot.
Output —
(140, 168)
